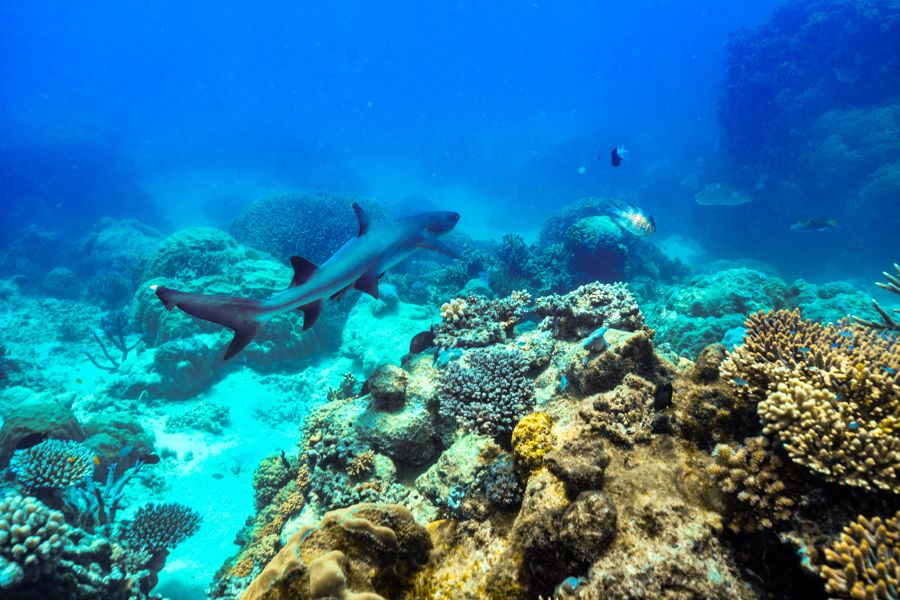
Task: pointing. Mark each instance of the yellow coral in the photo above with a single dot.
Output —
(865, 562)
(455, 310)
(532, 439)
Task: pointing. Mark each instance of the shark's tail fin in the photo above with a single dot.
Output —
(241, 315)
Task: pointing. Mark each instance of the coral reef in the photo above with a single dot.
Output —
(580, 312)
(476, 321)
(52, 464)
(161, 526)
(366, 551)
(31, 539)
(205, 416)
(887, 321)
(487, 391)
(865, 561)
(532, 439)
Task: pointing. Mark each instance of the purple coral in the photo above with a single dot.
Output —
(488, 390)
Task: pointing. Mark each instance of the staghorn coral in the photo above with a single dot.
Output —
(864, 563)
(161, 526)
(751, 476)
(362, 465)
(887, 321)
(52, 464)
(582, 311)
(487, 391)
(532, 439)
(841, 439)
(32, 538)
(477, 321)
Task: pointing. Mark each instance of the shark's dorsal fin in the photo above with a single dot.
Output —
(303, 270)
(363, 219)
(368, 283)
(439, 246)
(311, 313)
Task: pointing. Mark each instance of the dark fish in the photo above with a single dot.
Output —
(285, 461)
(617, 155)
(421, 341)
(31, 440)
(150, 459)
(217, 476)
(812, 225)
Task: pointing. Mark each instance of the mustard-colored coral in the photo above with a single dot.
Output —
(532, 438)
(864, 563)
(750, 476)
(830, 394)
(362, 465)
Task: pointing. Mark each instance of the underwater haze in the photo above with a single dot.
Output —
(410, 300)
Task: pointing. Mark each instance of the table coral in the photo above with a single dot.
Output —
(864, 562)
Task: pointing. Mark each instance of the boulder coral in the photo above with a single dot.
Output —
(364, 552)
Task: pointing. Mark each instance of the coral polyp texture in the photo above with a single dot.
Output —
(476, 321)
(750, 475)
(161, 526)
(864, 562)
(488, 390)
(32, 537)
(53, 464)
(829, 393)
(580, 312)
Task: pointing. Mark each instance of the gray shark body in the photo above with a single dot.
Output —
(358, 264)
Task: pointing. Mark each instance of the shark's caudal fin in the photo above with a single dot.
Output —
(241, 315)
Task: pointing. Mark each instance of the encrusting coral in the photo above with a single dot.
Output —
(864, 563)
(477, 321)
(532, 439)
(580, 312)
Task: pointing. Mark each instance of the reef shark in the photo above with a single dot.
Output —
(358, 264)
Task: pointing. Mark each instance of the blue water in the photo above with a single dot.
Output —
(180, 115)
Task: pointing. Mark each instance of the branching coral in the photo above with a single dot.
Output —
(887, 321)
(831, 394)
(31, 538)
(864, 563)
(488, 390)
(751, 476)
(580, 312)
(53, 464)
(161, 526)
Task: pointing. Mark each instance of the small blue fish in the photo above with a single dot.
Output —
(740, 381)
(835, 345)
(126, 450)
(804, 349)
(853, 426)
(839, 396)
(846, 333)
(563, 383)
(890, 370)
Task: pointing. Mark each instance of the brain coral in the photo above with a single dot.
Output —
(53, 464)
(488, 390)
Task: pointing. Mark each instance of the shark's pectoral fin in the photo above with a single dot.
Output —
(303, 270)
(243, 335)
(340, 293)
(439, 246)
(311, 313)
(368, 283)
(363, 219)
